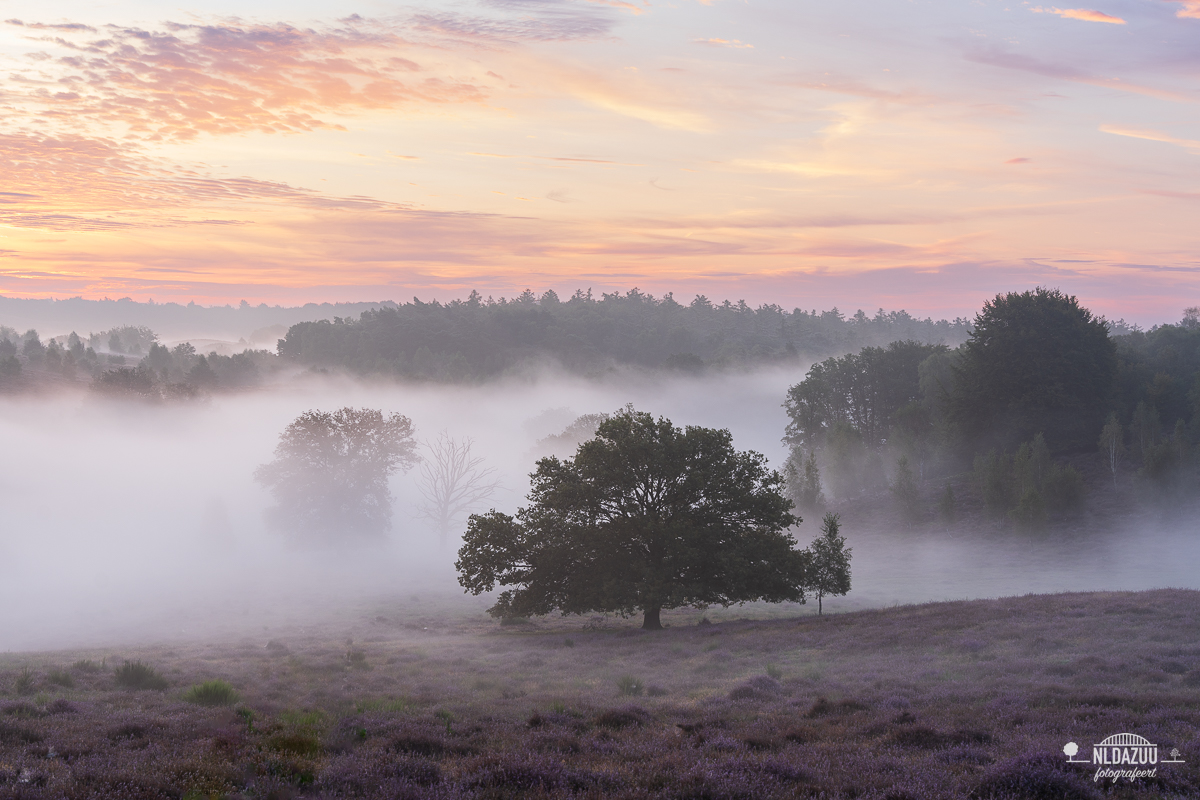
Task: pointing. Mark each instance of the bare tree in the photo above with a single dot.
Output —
(453, 481)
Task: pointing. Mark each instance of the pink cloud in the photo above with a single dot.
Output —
(230, 78)
(1191, 9)
(1087, 15)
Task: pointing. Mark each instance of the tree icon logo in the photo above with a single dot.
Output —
(1072, 749)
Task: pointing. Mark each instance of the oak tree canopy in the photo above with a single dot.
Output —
(646, 516)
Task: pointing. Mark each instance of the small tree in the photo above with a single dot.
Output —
(453, 481)
(1112, 444)
(331, 469)
(645, 517)
(828, 571)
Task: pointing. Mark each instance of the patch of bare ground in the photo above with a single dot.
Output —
(945, 700)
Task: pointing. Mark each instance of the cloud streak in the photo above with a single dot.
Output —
(1084, 14)
(1191, 145)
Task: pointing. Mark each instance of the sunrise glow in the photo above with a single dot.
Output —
(861, 154)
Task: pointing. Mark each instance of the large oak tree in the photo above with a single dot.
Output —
(646, 516)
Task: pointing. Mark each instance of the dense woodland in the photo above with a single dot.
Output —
(1040, 381)
(477, 338)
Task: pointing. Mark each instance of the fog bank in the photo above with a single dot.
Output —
(123, 522)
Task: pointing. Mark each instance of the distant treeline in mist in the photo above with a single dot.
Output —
(1041, 402)
(477, 338)
(463, 340)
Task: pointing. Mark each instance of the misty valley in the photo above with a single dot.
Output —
(595, 547)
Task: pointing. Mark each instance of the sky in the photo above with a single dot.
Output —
(915, 154)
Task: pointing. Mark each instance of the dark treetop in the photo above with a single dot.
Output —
(645, 517)
(1036, 361)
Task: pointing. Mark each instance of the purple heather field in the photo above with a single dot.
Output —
(422, 698)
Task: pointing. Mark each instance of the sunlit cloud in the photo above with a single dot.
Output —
(1191, 9)
(724, 43)
(1191, 145)
(1087, 15)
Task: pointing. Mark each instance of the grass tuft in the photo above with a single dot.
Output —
(212, 693)
(139, 676)
(24, 683)
(631, 686)
(86, 666)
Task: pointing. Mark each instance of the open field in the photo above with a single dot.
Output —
(432, 699)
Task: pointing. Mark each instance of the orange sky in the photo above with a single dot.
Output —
(858, 154)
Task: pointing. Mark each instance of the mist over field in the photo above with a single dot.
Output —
(129, 522)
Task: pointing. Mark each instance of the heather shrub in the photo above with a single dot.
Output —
(824, 708)
(518, 774)
(139, 676)
(17, 734)
(631, 686)
(621, 718)
(1037, 776)
(212, 693)
(1192, 678)
(764, 687)
(357, 659)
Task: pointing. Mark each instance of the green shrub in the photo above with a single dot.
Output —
(774, 671)
(136, 675)
(86, 666)
(60, 677)
(627, 684)
(212, 693)
(25, 681)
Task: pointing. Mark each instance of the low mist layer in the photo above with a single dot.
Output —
(124, 521)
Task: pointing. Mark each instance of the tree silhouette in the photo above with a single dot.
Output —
(829, 561)
(453, 481)
(331, 469)
(645, 517)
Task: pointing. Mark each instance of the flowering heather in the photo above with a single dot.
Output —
(948, 700)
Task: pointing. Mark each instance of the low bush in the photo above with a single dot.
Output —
(212, 693)
(24, 684)
(60, 677)
(139, 676)
(631, 686)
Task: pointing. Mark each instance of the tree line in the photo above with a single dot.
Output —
(480, 338)
(1040, 379)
